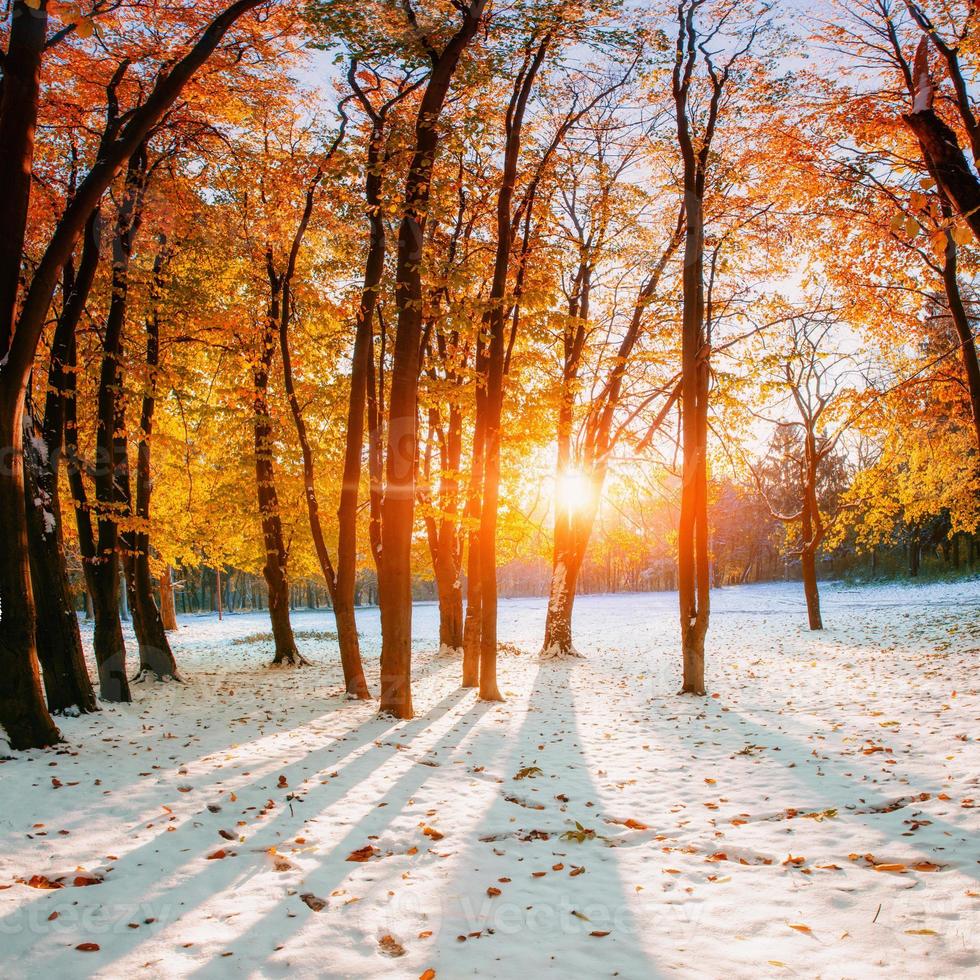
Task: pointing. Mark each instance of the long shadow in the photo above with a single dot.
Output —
(165, 895)
(147, 793)
(333, 867)
(838, 774)
(526, 819)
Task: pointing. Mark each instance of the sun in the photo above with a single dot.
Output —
(574, 491)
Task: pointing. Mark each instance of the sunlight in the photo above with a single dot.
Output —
(574, 491)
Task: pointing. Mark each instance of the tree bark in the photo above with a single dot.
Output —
(808, 564)
(19, 97)
(946, 162)
(961, 322)
(168, 608)
(156, 656)
(59, 644)
(493, 400)
(274, 569)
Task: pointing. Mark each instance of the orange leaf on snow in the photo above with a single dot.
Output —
(363, 853)
(800, 927)
(429, 974)
(218, 855)
(43, 881)
(88, 947)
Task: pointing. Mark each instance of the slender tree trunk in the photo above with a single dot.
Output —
(495, 357)
(274, 569)
(361, 380)
(156, 656)
(398, 508)
(692, 536)
(571, 542)
(168, 609)
(112, 453)
(968, 347)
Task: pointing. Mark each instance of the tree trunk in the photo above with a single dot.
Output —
(59, 643)
(19, 97)
(810, 589)
(110, 648)
(66, 679)
(156, 657)
(23, 713)
(398, 508)
(692, 539)
(471, 623)
(968, 347)
(274, 569)
(342, 596)
(571, 541)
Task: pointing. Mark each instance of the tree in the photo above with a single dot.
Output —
(394, 573)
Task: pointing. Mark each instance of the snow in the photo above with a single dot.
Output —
(736, 835)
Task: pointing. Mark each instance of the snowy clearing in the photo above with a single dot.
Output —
(816, 816)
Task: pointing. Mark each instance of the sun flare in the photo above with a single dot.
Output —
(574, 491)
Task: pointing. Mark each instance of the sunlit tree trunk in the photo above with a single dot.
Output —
(156, 657)
(274, 568)
(398, 509)
(168, 610)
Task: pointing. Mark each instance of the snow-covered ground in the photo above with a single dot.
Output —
(815, 816)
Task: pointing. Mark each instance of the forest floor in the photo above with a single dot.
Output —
(817, 815)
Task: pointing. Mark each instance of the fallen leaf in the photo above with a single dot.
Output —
(363, 853)
(88, 947)
(314, 901)
(391, 946)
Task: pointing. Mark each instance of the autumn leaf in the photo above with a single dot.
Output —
(799, 927)
(88, 947)
(429, 974)
(363, 853)
(316, 903)
(390, 946)
(42, 881)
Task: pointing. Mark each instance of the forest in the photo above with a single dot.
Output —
(576, 354)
